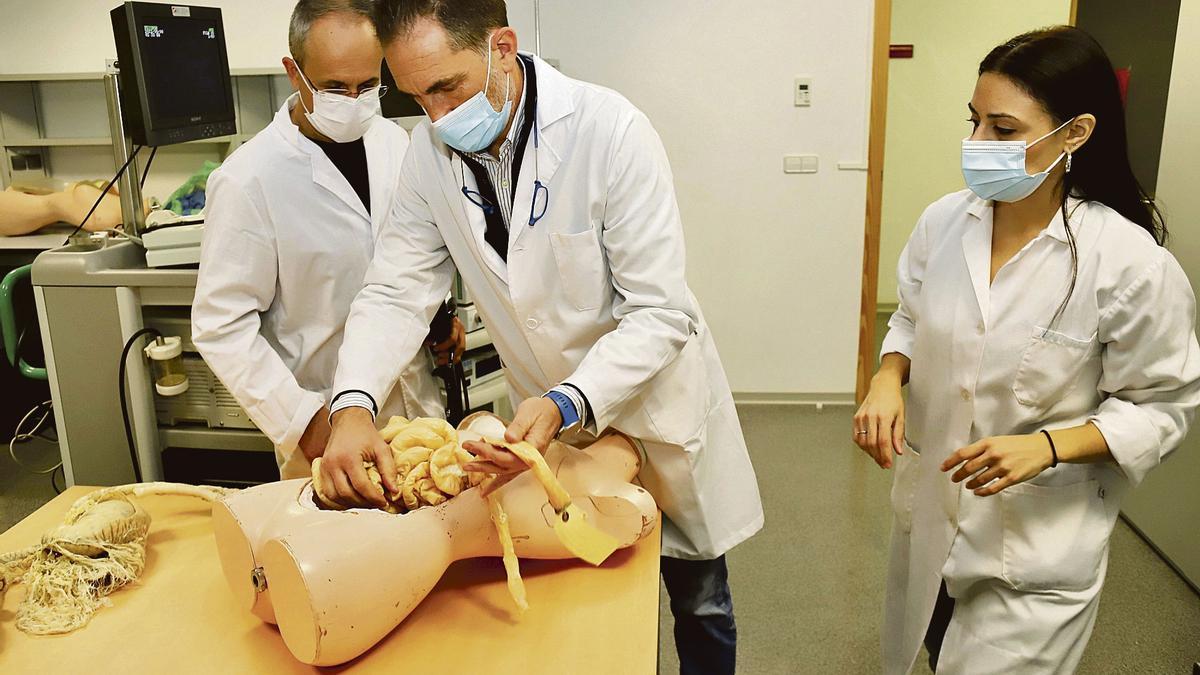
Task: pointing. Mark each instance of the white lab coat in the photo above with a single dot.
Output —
(287, 242)
(593, 294)
(1026, 566)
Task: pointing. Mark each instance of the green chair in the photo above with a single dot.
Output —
(8, 324)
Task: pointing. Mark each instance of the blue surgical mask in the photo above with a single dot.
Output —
(474, 124)
(995, 170)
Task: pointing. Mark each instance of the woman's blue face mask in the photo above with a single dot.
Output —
(995, 170)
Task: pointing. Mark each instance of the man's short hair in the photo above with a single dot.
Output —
(467, 22)
(307, 12)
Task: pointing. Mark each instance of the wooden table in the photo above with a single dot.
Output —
(181, 618)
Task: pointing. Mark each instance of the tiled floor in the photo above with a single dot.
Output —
(809, 588)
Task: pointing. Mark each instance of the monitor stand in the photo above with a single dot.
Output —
(130, 187)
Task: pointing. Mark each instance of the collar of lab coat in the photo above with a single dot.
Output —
(977, 243)
(326, 175)
(1056, 230)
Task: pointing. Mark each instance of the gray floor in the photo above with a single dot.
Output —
(809, 588)
(22, 492)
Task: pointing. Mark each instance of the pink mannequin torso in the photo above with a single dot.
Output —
(318, 565)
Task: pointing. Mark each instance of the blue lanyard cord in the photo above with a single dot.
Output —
(472, 196)
(538, 187)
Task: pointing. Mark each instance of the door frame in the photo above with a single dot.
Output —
(874, 215)
(877, 137)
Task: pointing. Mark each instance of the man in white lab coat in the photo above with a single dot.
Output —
(290, 227)
(554, 199)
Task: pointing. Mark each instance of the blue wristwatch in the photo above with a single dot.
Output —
(570, 416)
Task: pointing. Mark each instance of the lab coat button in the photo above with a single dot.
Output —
(966, 395)
(532, 323)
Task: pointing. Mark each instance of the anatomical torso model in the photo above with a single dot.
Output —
(308, 569)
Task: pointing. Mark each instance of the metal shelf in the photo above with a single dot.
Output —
(54, 142)
(104, 140)
(50, 77)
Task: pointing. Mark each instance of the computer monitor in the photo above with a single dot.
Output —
(175, 83)
(396, 103)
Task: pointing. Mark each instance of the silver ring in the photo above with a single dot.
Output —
(861, 433)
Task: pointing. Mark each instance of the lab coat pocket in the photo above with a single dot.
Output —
(581, 268)
(678, 399)
(1050, 366)
(904, 486)
(1054, 537)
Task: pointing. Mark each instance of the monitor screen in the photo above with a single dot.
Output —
(181, 55)
(397, 103)
(174, 73)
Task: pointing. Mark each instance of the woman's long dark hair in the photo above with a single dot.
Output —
(1067, 71)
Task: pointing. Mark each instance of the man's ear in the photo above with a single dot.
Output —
(505, 40)
(293, 72)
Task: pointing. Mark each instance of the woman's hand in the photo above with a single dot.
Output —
(879, 422)
(999, 462)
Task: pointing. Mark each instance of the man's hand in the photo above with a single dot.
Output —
(352, 441)
(999, 462)
(537, 422)
(493, 460)
(316, 435)
(457, 341)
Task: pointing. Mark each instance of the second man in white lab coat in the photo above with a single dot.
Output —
(291, 222)
(554, 199)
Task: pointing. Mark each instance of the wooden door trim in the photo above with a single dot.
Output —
(874, 213)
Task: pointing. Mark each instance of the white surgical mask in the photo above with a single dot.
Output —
(995, 170)
(341, 118)
(475, 124)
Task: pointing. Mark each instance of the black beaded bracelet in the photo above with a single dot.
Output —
(1053, 450)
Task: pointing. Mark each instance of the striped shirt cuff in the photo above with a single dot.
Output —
(577, 399)
(352, 399)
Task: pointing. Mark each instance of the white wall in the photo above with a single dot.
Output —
(75, 36)
(775, 259)
(1167, 506)
(927, 104)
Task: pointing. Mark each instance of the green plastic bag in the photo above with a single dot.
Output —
(189, 198)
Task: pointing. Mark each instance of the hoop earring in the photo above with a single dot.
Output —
(1068, 162)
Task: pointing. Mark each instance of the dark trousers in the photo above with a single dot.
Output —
(943, 609)
(705, 633)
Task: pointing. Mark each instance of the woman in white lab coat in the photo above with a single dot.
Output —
(1047, 340)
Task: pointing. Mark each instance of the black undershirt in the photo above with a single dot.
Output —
(351, 159)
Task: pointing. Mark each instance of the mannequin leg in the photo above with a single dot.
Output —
(22, 213)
